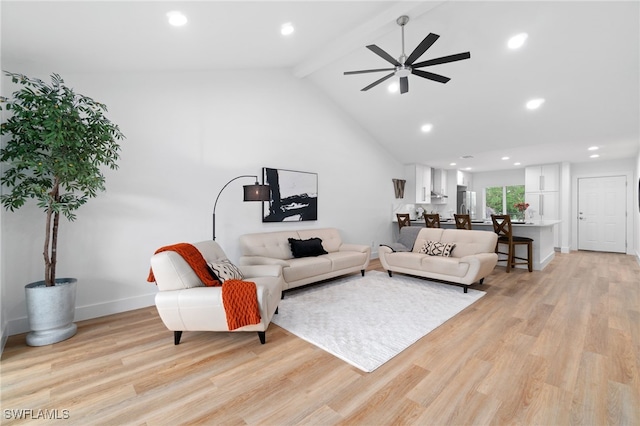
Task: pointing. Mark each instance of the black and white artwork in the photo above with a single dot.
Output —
(294, 196)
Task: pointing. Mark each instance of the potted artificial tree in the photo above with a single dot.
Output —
(55, 143)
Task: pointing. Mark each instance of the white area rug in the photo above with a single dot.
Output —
(366, 321)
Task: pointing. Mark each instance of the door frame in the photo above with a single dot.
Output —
(629, 195)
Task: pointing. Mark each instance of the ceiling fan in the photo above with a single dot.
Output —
(407, 65)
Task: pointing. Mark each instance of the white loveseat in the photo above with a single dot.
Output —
(185, 304)
(471, 260)
(274, 248)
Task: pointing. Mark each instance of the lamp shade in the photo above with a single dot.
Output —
(256, 192)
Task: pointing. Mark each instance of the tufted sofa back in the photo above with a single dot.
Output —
(276, 244)
(467, 241)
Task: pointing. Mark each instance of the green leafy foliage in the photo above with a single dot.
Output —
(500, 197)
(58, 141)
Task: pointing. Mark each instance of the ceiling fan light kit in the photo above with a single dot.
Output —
(406, 65)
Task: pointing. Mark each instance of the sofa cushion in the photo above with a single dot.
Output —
(331, 240)
(305, 267)
(470, 242)
(225, 270)
(346, 259)
(407, 260)
(306, 248)
(268, 244)
(427, 234)
(445, 266)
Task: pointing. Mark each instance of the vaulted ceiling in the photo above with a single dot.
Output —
(582, 57)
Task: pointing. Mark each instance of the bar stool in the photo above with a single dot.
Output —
(503, 227)
(403, 220)
(431, 220)
(463, 221)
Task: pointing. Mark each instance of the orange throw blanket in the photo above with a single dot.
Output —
(240, 303)
(194, 258)
(239, 297)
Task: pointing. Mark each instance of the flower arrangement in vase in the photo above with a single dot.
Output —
(522, 208)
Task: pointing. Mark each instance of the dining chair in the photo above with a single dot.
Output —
(503, 227)
(431, 220)
(403, 220)
(463, 221)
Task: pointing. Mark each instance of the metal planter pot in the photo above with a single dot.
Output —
(51, 311)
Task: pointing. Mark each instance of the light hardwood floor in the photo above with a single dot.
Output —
(556, 347)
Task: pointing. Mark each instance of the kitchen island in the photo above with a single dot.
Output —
(541, 231)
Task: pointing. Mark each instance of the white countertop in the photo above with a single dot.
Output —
(528, 223)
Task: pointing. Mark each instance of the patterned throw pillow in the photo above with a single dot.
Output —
(225, 270)
(435, 248)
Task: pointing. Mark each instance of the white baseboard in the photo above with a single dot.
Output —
(3, 338)
(21, 325)
(544, 262)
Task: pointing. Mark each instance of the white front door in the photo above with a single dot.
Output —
(602, 214)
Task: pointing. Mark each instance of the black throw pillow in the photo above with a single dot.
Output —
(306, 248)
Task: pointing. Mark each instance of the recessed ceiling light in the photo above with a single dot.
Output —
(426, 128)
(505, 158)
(593, 148)
(177, 19)
(516, 164)
(452, 164)
(393, 87)
(594, 156)
(517, 41)
(535, 103)
(287, 29)
(467, 168)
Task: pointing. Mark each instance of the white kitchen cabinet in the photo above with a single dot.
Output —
(418, 185)
(439, 185)
(542, 178)
(542, 185)
(464, 178)
(545, 205)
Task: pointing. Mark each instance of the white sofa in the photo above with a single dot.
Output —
(185, 304)
(273, 248)
(471, 260)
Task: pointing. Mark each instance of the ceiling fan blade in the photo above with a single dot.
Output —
(422, 47)
(430, 76)
(443, 60)
(366, 71)
(384, 55)
(404, 85)
(375, 83)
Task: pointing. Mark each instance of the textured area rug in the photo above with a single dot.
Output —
(368, 320)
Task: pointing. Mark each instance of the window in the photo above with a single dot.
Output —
(500, 199)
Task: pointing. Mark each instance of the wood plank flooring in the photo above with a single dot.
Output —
(553, 347)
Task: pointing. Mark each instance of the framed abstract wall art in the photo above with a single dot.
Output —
(294, 196)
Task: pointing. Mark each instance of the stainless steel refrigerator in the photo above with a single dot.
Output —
(467, 203)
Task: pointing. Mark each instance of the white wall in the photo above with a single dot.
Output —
(636, 203)
(636, 200)
(187, 135)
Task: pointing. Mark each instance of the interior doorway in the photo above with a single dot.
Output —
(602, 214)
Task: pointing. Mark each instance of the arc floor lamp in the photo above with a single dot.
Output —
(255, 192)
